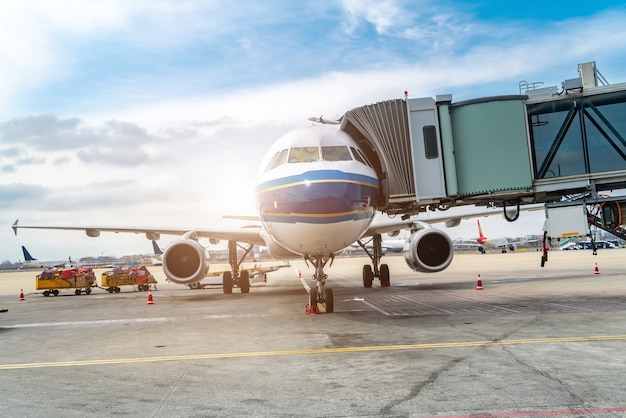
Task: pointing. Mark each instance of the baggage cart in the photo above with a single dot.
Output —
(53, 280)
(134, 276)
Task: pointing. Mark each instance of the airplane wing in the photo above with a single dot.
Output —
(451, 218)
(246, 234)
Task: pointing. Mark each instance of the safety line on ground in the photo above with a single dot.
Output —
(314, 351)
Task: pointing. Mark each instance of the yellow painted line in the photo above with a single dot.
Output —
(314, 351)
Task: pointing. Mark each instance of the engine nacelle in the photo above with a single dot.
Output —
(428, 250)
(185, 262)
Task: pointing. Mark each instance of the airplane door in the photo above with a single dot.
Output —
(426, 149)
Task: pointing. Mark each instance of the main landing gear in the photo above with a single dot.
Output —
(376, 269)
(234, 277)
(320, 294)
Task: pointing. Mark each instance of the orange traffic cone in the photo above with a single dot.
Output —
(596, 270)
(21, 299)
(479, 284)
(150, 301)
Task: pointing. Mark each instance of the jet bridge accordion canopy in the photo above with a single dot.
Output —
(429, 150)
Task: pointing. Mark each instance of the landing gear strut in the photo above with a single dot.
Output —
(235, 276)
(321, 294)
(378, 270)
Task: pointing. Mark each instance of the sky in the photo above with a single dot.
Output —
(157, 112)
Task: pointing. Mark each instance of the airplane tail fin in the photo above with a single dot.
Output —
(27, 256)
(480, 230)
(157, 249)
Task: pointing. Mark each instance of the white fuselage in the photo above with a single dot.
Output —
(316, 191)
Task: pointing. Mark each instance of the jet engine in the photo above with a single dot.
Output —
(428, 250)
(185, 262)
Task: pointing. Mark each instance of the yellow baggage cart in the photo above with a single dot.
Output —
(134, 276)
(53, 280)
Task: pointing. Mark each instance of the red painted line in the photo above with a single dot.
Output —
(577, 412)
(376, 308)
(478, 302)
(419, 302)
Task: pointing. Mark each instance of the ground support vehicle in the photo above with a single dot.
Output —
(53, 280)
(134, 276)
(257, 274)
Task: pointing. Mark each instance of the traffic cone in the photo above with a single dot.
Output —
(596, 270)
(479, 284)
(299, 274)
(21, 299)
(150, 301)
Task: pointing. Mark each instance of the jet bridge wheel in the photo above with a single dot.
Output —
(227, 280)
(368, 276)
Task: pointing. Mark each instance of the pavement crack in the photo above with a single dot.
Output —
(417, 389)
(567, 388)
(174, 386)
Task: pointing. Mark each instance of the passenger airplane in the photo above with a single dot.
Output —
(157, 257)
(317, 193)
(31, 262)
(498, 243)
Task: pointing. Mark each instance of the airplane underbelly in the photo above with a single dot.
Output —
(314, 238)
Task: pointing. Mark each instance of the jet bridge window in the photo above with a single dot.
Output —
(278, 159)
(430, 142)
(578, 135)
(303, 154)
(338, 153)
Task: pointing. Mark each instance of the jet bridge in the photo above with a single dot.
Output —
(540, 146)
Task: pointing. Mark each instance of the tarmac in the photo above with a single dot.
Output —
(533, 342)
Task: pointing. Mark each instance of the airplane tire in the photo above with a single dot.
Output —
(330, 302)
(385, 280)
(368, 276)
(313, 297)
(244, 281)
(227, 282)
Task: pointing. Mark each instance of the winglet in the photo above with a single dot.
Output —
(15, 227)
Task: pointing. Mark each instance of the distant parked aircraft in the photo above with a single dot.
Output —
(498, 243)
(31, 262)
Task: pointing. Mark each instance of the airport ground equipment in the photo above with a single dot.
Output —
(257, 273)
(134, 276)
(53, 280)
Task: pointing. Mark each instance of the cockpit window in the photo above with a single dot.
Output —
(282, 158)
(278, 159)
(358, 155)
(337, 153)
(303, 154)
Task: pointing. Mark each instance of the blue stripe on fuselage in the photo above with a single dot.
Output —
(320, 196)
